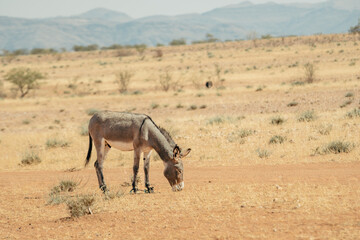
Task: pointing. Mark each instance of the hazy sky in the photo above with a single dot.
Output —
(134, 8)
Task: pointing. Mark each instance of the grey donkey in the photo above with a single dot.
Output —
(138, 132)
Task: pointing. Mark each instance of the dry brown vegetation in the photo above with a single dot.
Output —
(273, 156)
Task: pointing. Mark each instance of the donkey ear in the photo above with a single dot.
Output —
(186, 153)
(176, 152)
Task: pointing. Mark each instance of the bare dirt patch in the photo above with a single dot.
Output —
(284, 201)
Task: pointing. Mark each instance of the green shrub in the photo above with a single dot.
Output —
(177, 42)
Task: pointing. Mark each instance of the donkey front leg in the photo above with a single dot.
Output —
(147, 155)
(137, 154)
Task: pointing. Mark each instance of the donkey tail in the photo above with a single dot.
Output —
(89, 151)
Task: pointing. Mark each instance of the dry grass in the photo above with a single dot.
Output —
(232, 131)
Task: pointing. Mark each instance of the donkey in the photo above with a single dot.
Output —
(138, 132)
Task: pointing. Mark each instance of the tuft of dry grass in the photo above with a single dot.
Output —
(307, 116)
(81, 205)
(355, 113)
(278, 120)
(58, 193)
(54, 143)
(277, 139)
(335, 147)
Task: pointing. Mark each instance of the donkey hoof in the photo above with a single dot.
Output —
(149, 190)
(104, 188)
(134, 190)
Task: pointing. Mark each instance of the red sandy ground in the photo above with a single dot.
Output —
(213, 205)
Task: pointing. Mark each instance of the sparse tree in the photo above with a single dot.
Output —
(355, 29)
(140, 48)
(210, 38)
(24, 79)
(177, 42)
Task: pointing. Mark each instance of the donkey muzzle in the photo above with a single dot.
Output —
(178, 187)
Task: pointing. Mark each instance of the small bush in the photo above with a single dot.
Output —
(348, 102)
(349, 94)
(277, 120)
(58, 193)
(54, 142)
(215, 120)
(64, 186)
(307, 116)
(276, 139)
(263, 153)
(192, 107)
(165, 81)
(325, 130)
(292, 104)
(123, 79)
(179, 106)
(177, 42)
(26, 122)
(81, 205)
(240, 135)
(298, 83)
(154, 105)
(30, 158)
(309, 70)
(353, 114)
(335, 147)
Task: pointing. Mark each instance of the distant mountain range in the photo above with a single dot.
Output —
(105, 27)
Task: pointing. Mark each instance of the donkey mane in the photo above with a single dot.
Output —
(167, 136)
(165, 133)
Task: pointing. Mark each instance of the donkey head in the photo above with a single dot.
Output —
(174, 170)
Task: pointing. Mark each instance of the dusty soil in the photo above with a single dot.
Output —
(318, 201)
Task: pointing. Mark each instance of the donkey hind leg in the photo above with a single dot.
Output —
(102, 150)
(137, 154)
(147, 155)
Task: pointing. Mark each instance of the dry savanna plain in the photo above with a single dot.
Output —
(275, 154)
